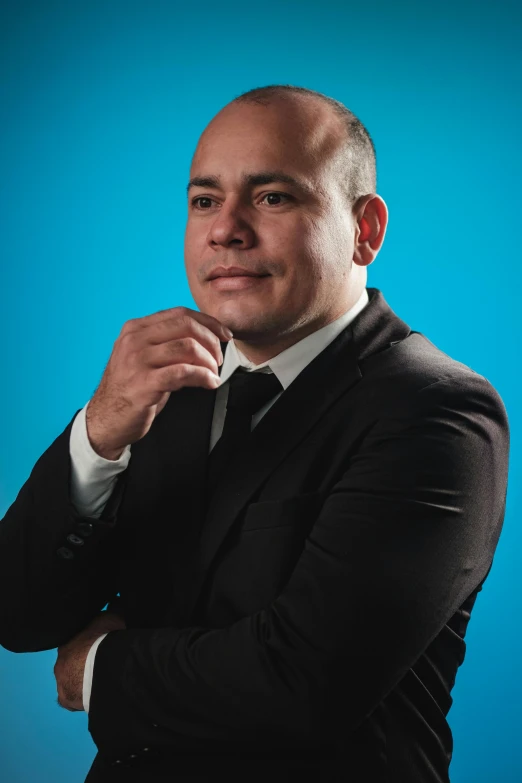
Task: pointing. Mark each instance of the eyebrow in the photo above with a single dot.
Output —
(258, 178)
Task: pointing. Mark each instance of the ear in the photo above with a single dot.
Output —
(371, 219)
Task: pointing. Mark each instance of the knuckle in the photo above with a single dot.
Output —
(190, 344)
(186, 321)
(184, 369)
(133, 348)
(129, 325)
(187, 369)
(126, 338)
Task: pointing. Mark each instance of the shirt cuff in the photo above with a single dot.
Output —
(88, 672)
(92, 477)
(82, 449)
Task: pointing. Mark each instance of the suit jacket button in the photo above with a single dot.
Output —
(65, 553)
(75, 539)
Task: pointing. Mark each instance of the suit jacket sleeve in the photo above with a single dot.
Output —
(58, 569)
(405, 536)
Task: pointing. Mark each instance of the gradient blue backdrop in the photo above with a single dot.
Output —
(102, 105)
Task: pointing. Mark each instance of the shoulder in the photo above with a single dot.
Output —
(415, 373)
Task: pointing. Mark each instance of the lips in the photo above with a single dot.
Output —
(229, 283)
(233, 271)
(242, 274)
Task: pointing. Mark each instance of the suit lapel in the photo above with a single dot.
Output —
(185, 432)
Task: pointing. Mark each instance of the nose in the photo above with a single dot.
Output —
(231, 226)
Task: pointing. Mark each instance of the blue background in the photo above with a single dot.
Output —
(103, 104)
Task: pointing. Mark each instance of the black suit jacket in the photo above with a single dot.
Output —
(310, 616)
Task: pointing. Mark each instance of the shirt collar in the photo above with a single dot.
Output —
(289, 363)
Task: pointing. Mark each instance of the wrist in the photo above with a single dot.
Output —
(100, 445)
(101, 451)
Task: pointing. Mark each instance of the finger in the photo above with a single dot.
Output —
(173, 377)
(184, 351)
(135, 324)
(188, 333)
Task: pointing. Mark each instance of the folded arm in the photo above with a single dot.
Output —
(406, 535)
(58, 566)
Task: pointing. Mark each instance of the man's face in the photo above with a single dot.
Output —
(300, 235)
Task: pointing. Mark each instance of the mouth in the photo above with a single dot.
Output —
(237, 282)
(234, 271)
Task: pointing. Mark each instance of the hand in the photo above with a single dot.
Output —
(152, 357)
(70, 663)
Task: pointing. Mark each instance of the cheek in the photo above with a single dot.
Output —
(194, 252)
(328, 245)
(317, 237)
(290, 242)
(312, 246)
(191, 239)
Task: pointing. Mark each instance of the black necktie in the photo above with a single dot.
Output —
(248, 392)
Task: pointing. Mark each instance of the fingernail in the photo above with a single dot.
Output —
(227, 332)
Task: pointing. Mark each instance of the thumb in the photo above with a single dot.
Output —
(161, 404)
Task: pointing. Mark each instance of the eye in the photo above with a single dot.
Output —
(277, 195)
(201, 198)
(267, 195)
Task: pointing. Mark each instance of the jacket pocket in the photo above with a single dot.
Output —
(299, 511)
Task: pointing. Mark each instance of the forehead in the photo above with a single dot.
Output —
(289, 136)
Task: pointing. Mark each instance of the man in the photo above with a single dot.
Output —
(297, 552)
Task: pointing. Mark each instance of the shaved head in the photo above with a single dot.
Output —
(281, 185)
(352, 148)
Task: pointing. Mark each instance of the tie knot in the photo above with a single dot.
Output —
(249, 391)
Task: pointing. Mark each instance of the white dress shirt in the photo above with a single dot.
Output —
(93, 477)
